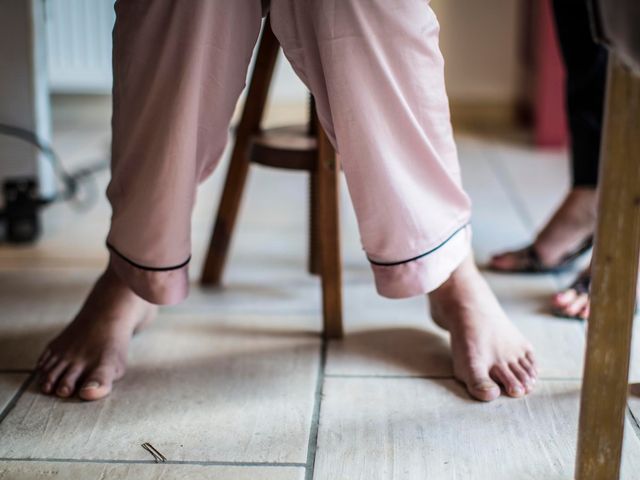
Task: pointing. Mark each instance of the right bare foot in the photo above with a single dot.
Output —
(572, 223)
(92, 349)
(488, 350)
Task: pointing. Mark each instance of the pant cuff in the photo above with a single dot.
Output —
(427, 271)
(161, 286)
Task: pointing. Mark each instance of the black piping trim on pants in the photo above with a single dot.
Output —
(393, 264)
(144, 267)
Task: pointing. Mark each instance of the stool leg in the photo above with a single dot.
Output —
(314, 226)
(239, 164)
(615, 273)
(329, 235)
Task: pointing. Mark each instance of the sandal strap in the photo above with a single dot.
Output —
(582, 284)
(571, 256)
(533, 262)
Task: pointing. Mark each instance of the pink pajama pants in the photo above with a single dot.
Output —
(376, 72)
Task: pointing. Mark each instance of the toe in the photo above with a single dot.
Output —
(522, 375)
(503, 375)
(98, 384)
(531, 358)
(577, 305)
(51, 377)
(44, 356)
(52, 360)
(563, 299)
(67, 383)
(485, 390)
(497, 261)
(481, 387)
(504, 261)
(529, 368)
(584, 313)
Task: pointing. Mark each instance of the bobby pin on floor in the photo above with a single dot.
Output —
(237, 383)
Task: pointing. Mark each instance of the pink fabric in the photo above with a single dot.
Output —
(426, 273)
(376, 73)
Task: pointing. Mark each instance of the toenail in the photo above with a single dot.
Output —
(90, 385)
(486, 386)
(63, 390)
(517, 390)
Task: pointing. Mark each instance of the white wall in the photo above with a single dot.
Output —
(479, 38)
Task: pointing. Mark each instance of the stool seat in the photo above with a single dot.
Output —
(290, 147)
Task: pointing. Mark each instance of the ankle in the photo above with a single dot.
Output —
(114, 299)
(571, 224)
(465, 273)
(453, 292)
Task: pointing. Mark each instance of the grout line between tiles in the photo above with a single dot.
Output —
(16, 396)
(503, 177)
(388, 376)
(152, 462)
(315, 418)
(432, 377)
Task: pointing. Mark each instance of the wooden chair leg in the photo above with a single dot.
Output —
(614, 274)
(329, 236)
(239, 164)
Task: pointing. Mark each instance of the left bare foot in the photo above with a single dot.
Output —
(488, 350)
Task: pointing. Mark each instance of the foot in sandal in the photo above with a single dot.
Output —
(565, 238)
(573, 301)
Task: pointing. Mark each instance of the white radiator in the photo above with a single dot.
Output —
(79, 50)
(79, 45)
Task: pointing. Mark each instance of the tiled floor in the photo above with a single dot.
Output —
(237, 384)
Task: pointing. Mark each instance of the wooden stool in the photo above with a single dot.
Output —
(304, 148)
(615, 260)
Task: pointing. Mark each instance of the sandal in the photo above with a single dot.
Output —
(533, 264)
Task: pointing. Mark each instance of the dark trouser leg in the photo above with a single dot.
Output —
(586, 65)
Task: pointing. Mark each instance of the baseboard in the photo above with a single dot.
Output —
(483, 116)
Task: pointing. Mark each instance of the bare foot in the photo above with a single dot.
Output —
(572, 223)
(488, 350)
(92, 349)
